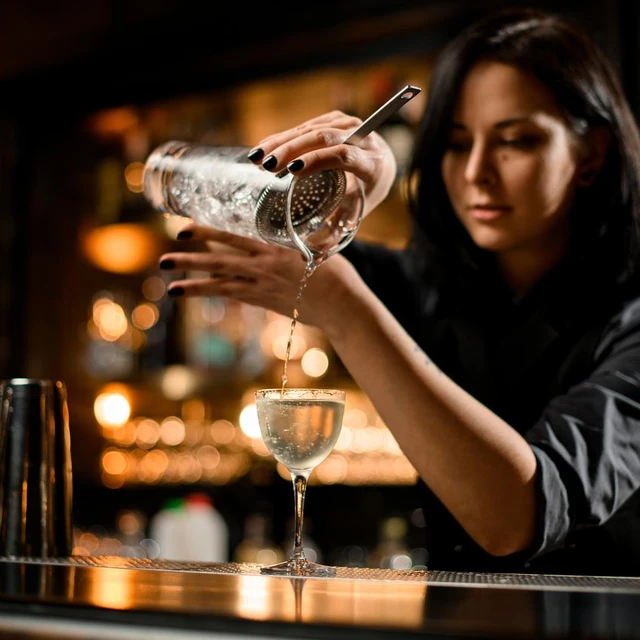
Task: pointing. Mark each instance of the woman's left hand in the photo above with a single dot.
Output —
(256, 273)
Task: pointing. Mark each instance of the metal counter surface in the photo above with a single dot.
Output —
(108, 597)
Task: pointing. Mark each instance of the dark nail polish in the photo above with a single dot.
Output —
(167, 264)
(176, 291)
(270, 163)
(185, 235)
(255, 155)
(295, 165)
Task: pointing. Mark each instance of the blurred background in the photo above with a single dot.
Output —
(161, 390)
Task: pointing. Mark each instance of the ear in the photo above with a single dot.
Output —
(596, 144)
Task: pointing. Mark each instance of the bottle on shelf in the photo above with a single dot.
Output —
(165, 529)
(190, 529)
(257, 547)
(205, 531)
(392, 552)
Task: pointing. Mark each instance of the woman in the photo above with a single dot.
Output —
(502, 348)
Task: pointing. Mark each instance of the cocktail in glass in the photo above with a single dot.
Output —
(300, 427)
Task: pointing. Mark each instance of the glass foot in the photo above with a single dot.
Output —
(299, 568)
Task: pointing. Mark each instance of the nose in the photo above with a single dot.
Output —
(479, 168)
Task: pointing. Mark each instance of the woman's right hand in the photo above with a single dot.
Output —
(317, 144)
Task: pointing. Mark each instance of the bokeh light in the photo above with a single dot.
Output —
(111, 409)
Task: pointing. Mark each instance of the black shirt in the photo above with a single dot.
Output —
(562, 367)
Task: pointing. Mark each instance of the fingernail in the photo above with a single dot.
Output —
(270, 163)
(175, 291)
(184, 235)
(167, 264)
(255, 155)
(295, 165)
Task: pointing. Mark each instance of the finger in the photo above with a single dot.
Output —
(351, 159)
(329, 128)
(202, 232)
(318, 139)
(323, 149)
(240, 289)
(220, 264)
(345, 157)
(333, 119)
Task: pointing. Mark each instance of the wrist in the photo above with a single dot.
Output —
(340, 292)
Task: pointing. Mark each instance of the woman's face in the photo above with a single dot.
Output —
(511, 163)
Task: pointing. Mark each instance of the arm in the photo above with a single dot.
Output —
(587, 443)
(476, 463)
(471, 459)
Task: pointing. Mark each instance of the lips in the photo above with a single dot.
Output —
(486, 212)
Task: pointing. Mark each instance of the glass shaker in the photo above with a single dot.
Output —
(220, 187)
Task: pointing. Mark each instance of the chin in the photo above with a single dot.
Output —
(493, 242)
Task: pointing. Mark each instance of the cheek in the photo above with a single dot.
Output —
(545, 181)
(548, 183)
(556, 173)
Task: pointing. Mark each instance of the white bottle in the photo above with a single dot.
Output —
(165, 528)
(205, 535)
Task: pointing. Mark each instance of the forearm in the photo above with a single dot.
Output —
(479, 467)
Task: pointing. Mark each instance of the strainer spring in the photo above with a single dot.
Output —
(314, 198)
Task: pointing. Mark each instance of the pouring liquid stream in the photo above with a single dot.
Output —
(312, 265)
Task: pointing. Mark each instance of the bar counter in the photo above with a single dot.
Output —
(104, 597)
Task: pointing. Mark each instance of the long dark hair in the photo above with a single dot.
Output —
(606, 226)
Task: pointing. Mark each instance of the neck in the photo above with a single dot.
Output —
(521, 270)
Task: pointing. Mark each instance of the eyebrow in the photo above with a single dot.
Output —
(503, 124)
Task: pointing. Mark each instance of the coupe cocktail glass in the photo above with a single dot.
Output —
(300, 427)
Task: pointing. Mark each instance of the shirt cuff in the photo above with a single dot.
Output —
(553, 521)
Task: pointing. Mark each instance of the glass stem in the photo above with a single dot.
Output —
(299, 491)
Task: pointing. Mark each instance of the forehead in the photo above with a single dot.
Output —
(494, 91)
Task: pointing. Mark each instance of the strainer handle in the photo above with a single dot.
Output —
(383, 113)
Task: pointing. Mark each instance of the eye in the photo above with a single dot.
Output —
(458, 146)
(522, 142)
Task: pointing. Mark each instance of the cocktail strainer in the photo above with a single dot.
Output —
(314, 197)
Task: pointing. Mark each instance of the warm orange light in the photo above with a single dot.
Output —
(111, 409)
(133, 174)
(249, 421)
(315, 362)
(114, 462)
(172, 431)
(110, 319)
(178, 382)
(121, 248)
(153, 288)
(114, 122)
(145, 315)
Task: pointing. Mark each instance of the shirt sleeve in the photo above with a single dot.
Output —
(587, 442)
